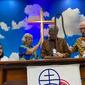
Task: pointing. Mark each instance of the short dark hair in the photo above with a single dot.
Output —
(53, 29)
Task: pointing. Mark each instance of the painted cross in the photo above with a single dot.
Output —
(42, 22)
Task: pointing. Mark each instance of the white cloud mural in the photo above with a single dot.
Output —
(72, 19)
(14, 56)
(1, 36)
(4, 26)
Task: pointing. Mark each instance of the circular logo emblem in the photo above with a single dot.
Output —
(51, 77)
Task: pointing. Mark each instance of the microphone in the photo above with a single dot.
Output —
(54, 52)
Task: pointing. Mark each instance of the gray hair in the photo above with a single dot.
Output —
(26, 35)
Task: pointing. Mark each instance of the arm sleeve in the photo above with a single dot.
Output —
(75, 48)
(45, 49)
(66, 49)
(22, 51)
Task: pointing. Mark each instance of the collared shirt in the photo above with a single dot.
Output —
(60, 45)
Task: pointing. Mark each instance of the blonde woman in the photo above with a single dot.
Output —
(27, 51)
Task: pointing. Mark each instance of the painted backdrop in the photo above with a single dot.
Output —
(14, 16)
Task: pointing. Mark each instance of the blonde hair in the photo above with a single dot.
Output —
(26, 35)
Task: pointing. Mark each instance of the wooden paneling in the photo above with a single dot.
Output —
(16, 71)
(16, 82)
(82, 71)
(0, 76)
(16, 74)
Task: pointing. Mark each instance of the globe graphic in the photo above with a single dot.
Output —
(49, 77)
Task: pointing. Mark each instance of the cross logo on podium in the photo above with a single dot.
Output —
(51, 77)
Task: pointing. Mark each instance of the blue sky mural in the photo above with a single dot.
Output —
(15, 13)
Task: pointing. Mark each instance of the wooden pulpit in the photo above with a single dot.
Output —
(15, 71)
